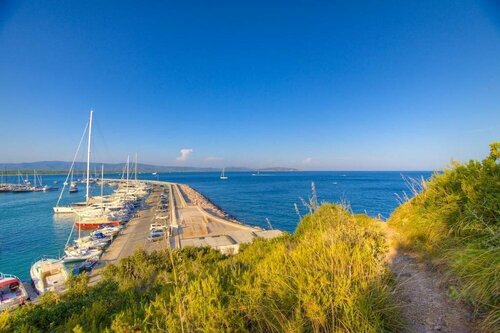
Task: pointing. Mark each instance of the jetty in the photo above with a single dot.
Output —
(191, 219)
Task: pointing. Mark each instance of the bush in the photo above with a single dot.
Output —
(456, 219)
(329, 276)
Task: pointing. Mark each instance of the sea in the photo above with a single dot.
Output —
(30, 230)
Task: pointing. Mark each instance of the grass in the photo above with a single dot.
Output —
(329, 276)
(455, 219)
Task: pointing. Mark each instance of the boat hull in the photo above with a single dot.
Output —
(13, 292)
(86, 225)
(40, 279)
(63, 210)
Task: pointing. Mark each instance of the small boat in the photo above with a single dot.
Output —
(63, 210)
(73, 188)
(84, 266)
(92, 243)
(48, 188)
(12, 292)
(223, 176)
(49, 274)
(76, 254)
(154, 173)
(108, 231)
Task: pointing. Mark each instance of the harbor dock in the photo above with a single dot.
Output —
(192, 221)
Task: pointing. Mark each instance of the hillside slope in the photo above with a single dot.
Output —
(330, 276)
(455, 223)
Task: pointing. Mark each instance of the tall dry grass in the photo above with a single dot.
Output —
(329, 276)
(456, 219)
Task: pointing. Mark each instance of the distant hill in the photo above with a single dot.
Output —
(52, 166)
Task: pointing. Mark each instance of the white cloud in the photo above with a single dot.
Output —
(185, 152)
(308, 160)
(213, 158)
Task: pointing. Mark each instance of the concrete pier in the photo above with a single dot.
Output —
(192, 219)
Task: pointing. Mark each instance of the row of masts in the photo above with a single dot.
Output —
(88, 163)
(24, 184)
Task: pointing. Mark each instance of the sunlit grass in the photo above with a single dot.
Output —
(330, 276)
(456, 219)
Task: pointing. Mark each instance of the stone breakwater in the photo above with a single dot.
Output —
(200, 200)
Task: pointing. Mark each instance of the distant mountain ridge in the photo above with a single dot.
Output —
(118, 167)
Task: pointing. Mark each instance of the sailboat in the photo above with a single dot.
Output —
(36, 188)
(90, 217)
(73, 186)
(21, 186)
(46, 187)
(71, 209)
(223, 176)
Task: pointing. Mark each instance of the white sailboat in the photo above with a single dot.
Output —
(70, 209)
(223, 176)
(73, 186)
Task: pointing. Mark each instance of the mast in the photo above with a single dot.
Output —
(136, 167)
(102, 187)
(102, 182)
(87, 193)
(128, 169)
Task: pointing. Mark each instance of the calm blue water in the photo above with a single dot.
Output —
(28, 229)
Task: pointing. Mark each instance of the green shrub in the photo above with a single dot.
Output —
(329, 276)
(456, 219)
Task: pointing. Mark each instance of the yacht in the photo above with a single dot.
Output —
(48, 274)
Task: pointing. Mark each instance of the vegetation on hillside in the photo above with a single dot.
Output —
(456, 220)
(329, 276)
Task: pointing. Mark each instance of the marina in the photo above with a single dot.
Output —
(118, 216)
(183, 224)
(170, 216)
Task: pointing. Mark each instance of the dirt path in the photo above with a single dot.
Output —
(423, 295)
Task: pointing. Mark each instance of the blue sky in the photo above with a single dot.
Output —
(339, 85)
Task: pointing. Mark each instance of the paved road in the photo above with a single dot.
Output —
(134, 236)
(188, 221)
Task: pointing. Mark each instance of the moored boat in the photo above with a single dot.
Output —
(48, 274)
(76, 254)
(12, 292)
(63, 209)
(94, 223)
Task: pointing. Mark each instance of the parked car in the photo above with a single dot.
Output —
(156, 235)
